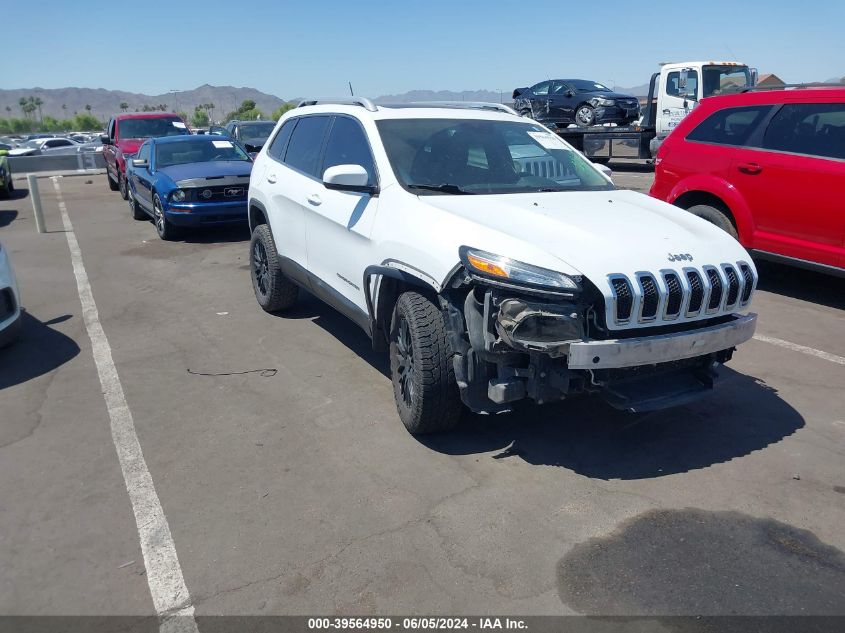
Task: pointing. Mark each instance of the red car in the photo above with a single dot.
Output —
(125, 134)
(768, 168)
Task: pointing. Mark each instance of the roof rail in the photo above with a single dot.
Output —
(793, 87)
(466, 105)
(358, 101)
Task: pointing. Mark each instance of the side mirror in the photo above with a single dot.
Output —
(569, 93)
(140, 162)
(104, 139)
(604, 169)
(348, 178)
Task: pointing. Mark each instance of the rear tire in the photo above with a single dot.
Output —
(137, 212)
(122, 186)
(273, 290)
(421, 368)
(715, 216)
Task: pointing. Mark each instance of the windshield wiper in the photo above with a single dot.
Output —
(444, 188)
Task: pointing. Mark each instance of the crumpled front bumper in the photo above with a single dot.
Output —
(648, 350)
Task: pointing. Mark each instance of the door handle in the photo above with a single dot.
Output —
(271, 178)
(315, 200)
(751, 169)
(666, 111)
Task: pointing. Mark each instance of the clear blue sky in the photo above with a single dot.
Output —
(294, 49)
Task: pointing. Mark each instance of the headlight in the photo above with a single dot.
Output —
(601, 101)
(178, 195)
(505, 269)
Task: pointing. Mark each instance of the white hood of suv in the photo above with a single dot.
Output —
(598, 233)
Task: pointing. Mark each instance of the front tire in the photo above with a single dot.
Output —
(273, 290)
(421, 368)
(113, 186)
(585, 115)
(164, 228)
(715, 216)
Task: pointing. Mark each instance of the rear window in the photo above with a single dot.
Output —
(731, 126)
(306, 144)
(815, 129)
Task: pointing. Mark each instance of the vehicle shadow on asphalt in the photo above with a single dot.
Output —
(587, 436)
(340, 327)
(217, 234)
(631, 167)
(798, 283)
(39, 350)
(7, 217)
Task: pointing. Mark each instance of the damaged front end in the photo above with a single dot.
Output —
(516, 341)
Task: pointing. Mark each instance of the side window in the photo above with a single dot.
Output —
(348, 146)
(144, 152)
(280, 142)
(306, 143)
(541, 88)
(816, 129)
(673, 84)
(559, 88)
(111, 129)
(731, 126)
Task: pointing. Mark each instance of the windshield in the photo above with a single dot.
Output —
(467, 156)
(724, 79)
(149, 128)
(256, 130)
(587, 86)
(199, 151)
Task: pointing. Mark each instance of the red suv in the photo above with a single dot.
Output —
(768, 168)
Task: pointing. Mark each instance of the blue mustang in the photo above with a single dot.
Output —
(188, 181)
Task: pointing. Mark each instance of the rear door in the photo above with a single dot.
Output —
(290, 178)
(339, 223)
(793, 179)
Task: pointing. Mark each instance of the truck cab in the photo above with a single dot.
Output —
(682, 85)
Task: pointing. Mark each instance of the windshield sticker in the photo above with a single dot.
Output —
(222, 144)
(547, 140)
(178, 124)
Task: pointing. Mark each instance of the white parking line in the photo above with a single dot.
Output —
(164, 575)
(833, 358)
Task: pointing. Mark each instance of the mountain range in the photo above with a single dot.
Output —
(65, 102)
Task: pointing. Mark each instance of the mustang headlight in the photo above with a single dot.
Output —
(505, 269)
(178, 195)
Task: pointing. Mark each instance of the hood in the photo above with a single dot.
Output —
(208, 170)
(597, 233)
(129, 145)
(23, 151)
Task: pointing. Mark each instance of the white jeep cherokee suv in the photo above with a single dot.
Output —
(492, 260)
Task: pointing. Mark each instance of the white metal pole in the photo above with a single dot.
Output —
(32, 180)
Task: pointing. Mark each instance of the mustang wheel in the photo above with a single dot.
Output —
(421, 367)
(164, 228)
(137, 212)
(273, 290)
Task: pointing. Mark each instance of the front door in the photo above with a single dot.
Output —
(678, 94)
(339, 223)
(562, 102)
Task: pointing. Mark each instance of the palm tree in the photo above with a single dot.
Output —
(37, 102)
(24, 104)
(124, 106)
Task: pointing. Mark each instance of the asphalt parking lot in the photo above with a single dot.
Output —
(290, 487)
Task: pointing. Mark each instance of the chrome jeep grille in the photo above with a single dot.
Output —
(670, 295)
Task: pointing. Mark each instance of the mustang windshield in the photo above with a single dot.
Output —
(149, 128)
(198, 151)
(476, 156)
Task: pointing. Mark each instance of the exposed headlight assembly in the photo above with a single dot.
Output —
(178, 195)
(601, 101)
(509, 270)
